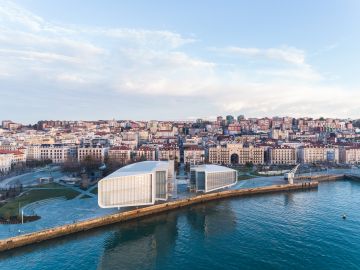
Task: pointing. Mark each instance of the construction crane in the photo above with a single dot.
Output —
(290, 176)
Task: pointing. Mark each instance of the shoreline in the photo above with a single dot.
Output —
(97, 222)
(60, 231)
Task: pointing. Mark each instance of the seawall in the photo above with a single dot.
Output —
(352, 177)
(321, 177)
(35, 237)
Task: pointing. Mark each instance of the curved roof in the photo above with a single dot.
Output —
(139, 168)
(212, 168)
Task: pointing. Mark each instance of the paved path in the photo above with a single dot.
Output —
(81, 191)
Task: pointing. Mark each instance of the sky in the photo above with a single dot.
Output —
(178, 60)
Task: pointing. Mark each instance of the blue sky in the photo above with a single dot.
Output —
(178, 59)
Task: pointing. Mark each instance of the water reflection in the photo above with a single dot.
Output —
(288, 199)
(212, 218)
(137, 245)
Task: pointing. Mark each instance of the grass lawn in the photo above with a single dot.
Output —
(267, 175)
(94, 191)
(85, 196)
(52, 190)
(244, 169)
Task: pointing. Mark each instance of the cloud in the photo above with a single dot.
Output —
(290, 99)
(151, 38)
(88, 68)
(287, 54)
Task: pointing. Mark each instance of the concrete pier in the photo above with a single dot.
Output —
(320, 177)
(60, 231)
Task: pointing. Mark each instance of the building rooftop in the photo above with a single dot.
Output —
(211, 168)
(139, 168)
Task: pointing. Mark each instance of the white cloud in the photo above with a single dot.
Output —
(142, 37)
(287, 54)
(112, 63)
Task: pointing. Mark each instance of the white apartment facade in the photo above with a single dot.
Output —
(5, 163)
(57, 153)
(194, 155)
(236, 153)
(282, 155)
(96, 153)
(33, 152)
(349, 155)
(318, 154)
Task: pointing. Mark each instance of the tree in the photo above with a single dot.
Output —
(112, 165)
(90, 164)
(249, 164)
(7, 215)
(71, 165)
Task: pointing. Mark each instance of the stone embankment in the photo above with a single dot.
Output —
(320, 177)
(352, 177)
(60, 231)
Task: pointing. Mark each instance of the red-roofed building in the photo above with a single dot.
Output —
(194, 154)
(167, 152)
(17, 156)
(145, 152)
(5, 163)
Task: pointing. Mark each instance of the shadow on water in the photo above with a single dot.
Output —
(137, 245)
(212, 218)
(141, 246)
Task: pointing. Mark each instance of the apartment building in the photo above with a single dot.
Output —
(33, 152)
(236, 153)
(219, 155)
(194, 155)
(97, 153)
(57, 153)
(168, 152)
(282, 155)
(318, 154)
(120, 154)
(350, 155)
(145, 152)
(5, 163)
(11, 157)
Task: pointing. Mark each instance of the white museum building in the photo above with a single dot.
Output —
(206, 178)
(137, 184)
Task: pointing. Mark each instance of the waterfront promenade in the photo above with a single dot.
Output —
(60, 231)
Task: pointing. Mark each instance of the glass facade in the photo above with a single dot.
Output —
(192, 179)
(126, 191)
(137, 184)
(161, 185)
(216, 180)
(200, 183)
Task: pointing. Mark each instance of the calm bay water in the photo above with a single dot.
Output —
(299, 230)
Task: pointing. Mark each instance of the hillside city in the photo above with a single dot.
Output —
(75, 166)
(227, 141)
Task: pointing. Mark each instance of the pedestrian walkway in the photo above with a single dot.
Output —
(81, 191)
